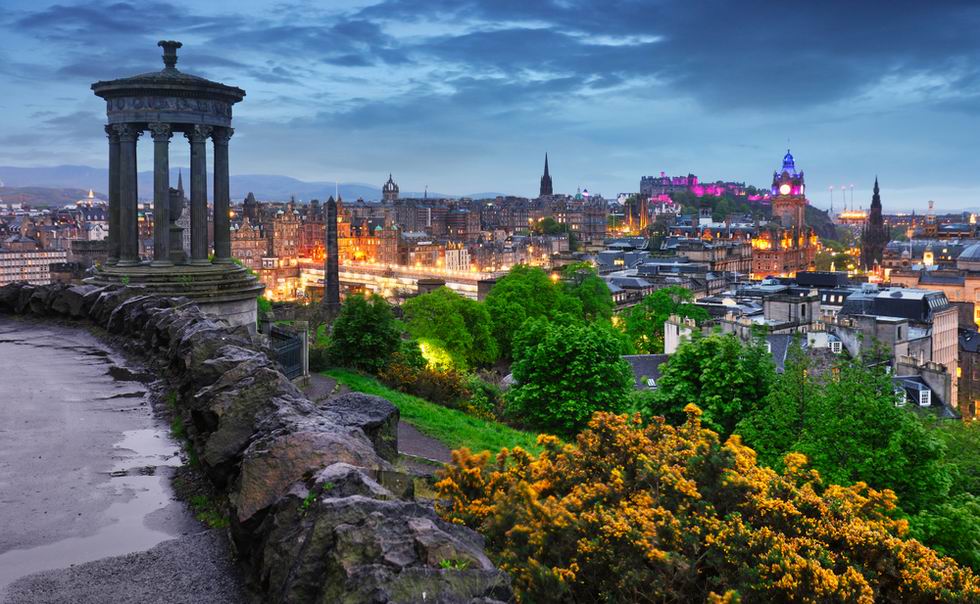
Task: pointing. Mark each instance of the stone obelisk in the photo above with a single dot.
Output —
(331, 275)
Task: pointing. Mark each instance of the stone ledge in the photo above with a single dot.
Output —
(312, 522)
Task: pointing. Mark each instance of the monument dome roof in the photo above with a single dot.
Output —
(168, 81)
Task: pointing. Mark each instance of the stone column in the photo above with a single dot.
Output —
(161, 194)
(129, 251)
(222, 196)
(198, 136)
(113, 195)
(331, 273)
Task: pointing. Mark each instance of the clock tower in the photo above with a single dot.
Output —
(788, 194)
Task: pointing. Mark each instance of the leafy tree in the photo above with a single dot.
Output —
(776, 427)
(548, 226)
(458, 325)
(644, 323)
(962, 440)
(582, 281)
(364, 335)
(572, 372)
(653, 513)
(725, 378)
(849, 427)
(952, 528)
(526, 292)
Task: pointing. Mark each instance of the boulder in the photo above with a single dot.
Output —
(199, 340)
(70, 302)
(273, 463)
(22, 305)
(121, 317)
(359, 548)
(226, 358)
(344, 480)
(108, 300)
(8, 296)
(377, 417)
(247, 399)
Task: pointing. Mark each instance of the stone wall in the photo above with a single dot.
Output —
(318, 512)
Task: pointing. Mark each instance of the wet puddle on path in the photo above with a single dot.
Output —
(85, 467)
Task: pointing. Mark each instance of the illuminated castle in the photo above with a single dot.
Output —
(787, 245)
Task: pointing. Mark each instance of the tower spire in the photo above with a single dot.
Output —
(546, 188)
(180, 183)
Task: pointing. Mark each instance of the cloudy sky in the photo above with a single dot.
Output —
(466, 96)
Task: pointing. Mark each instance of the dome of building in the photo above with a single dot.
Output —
(969, 258)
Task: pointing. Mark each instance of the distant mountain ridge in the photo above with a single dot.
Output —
(266, 187)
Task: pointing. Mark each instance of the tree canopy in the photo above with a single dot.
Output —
(445, 320)
(581, 281)
(719, 374)
(569, 373)
(644, 323)
(847, 423)
(653, 513)
(364, 335)
(523, 293)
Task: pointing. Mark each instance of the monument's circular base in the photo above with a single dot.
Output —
(227, 291)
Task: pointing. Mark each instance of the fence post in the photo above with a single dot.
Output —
(303, 327)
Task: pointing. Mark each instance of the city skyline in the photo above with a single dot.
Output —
(467, 97)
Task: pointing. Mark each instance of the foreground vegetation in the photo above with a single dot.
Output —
(829, 465)
(646, 512)
(450, 426)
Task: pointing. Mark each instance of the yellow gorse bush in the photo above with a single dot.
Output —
(640, 512)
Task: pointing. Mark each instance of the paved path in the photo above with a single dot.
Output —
(85, 471)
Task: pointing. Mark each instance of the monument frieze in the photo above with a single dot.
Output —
(168, 108)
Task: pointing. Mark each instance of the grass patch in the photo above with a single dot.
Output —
(177, 429)
(208, 512)
(454, 428)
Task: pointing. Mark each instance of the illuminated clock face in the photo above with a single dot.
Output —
(784, 189)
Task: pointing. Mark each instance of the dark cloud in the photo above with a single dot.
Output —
(666, 78)
(723, 53)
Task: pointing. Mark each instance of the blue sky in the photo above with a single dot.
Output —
(467, 96)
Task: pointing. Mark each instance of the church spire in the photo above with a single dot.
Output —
(546, 187)
(180, 183)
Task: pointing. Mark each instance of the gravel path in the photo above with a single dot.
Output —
(87, 509)
(193, 569)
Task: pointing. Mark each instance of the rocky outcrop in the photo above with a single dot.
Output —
(320, 515)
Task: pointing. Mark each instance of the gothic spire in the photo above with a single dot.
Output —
(180, 183)
(546, 187)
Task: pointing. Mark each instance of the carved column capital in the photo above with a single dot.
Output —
(221, 136)
(199, 134)
(161, 132)
(110, 132)
(127, 133)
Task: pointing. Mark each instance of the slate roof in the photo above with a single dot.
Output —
(645, 367)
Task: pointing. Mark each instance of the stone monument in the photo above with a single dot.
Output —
(164, 103)
(331, 273)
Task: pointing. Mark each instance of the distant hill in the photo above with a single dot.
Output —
(266, 187)
(42, 196)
